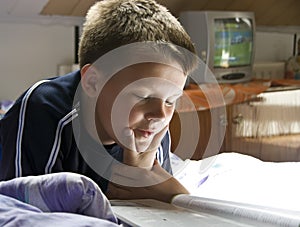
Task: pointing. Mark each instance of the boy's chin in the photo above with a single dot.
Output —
(142, 146)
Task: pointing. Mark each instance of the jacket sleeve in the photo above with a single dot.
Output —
(29, 137)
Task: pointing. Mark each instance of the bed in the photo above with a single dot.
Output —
(69, 199)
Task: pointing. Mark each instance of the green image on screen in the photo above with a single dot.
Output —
(233, 42)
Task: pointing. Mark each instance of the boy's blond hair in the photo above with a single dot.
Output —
(113, 23)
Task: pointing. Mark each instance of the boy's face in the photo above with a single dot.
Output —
(140, 98)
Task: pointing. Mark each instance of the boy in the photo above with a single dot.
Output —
(134, 57)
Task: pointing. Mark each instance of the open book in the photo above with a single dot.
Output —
(226, 190)
(243, 179)
(187, 210)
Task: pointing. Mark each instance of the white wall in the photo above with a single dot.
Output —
(273, 46)
(30, 52)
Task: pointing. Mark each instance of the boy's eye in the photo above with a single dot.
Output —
(170, 103)
(141, 98)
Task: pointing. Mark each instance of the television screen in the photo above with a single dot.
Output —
(233, 42)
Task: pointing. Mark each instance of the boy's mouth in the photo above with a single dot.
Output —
(144, 133)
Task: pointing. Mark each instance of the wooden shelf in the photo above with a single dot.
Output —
(193, 143)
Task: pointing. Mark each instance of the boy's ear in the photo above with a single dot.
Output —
(90, 80)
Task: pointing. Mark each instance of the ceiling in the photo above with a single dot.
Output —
(267, 12)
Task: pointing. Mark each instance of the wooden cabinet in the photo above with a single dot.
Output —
(268, 129)
(245, 126)
(263, 128)
(208, 131)
(200, 134)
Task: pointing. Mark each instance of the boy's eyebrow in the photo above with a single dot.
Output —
(180, 93)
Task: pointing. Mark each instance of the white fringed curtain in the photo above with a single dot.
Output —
(277, 114)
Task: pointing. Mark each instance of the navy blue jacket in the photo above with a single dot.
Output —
(37, 137)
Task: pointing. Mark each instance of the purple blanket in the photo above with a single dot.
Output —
(72, 199)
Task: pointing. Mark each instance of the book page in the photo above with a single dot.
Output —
(243, 179)
(273, 216)
(149, 213)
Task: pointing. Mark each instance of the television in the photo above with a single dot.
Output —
(224, 41)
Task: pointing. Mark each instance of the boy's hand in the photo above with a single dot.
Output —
(141, 159)
(140, 183)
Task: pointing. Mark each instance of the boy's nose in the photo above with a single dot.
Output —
(157, 110)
